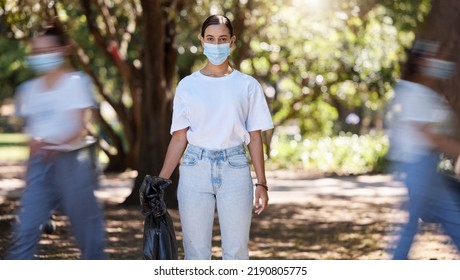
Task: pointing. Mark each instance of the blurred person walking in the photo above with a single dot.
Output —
(217, 112)
(61, 169)
(416, 107)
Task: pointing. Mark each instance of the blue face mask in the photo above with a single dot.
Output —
(217, 54)
(44, 63)
(437, 68)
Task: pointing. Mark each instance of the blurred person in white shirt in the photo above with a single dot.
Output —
(61, 169)
(416, 105)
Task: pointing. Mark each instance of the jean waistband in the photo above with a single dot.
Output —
(207, 153)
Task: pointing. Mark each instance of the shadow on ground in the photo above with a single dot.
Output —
(284, 232)
(349, 218)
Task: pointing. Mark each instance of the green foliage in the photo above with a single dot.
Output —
(342, 53)
(14, 153)
(13, 70)
(13, 147)
(346, 154)
(16, 139)
(117, 25)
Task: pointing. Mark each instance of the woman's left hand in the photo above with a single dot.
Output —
(260, 199)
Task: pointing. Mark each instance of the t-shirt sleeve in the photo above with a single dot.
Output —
(180, 118)
(259, 117)
(20, 107)
(416, 106)
(81, 95)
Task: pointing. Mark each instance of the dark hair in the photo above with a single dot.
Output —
(420, 50)
(411, 66)
(55, 29)
(216, 20)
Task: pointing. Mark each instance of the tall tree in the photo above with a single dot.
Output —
(159, 59)
(111, 35)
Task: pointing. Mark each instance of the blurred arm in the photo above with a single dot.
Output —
(36, 144)
(443, 143)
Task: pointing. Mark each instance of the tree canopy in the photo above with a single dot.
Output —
(319, 61)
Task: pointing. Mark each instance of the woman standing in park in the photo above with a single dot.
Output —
(217, 112)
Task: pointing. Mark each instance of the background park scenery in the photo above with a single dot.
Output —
(327, 68)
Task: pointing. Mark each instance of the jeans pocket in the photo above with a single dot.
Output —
(238, 161)
(189, 159)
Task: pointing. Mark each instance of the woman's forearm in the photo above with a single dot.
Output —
(174, 153)
(257, 155)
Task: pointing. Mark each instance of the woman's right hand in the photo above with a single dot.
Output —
(35, 145)
(260, 199)
(176, 148)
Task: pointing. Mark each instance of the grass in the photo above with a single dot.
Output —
(14, 153)
(344, 154)
(13, 147)
(15, 139)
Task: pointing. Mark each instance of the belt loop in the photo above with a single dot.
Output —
(224, 153)
(201, 153)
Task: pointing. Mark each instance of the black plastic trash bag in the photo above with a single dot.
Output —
(159, 236)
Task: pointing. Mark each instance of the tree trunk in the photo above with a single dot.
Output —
(107, 41)
(440, 26)
(159, 59)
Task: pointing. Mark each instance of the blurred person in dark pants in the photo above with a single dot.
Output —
(61, 169)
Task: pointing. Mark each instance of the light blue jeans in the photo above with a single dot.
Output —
(433, 198)
(209, 178)
(67, 182)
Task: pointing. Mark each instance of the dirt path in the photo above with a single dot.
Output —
(308, 218)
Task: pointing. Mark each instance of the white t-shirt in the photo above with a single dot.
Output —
(220, 112)
(415, 104)
(50, 113)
